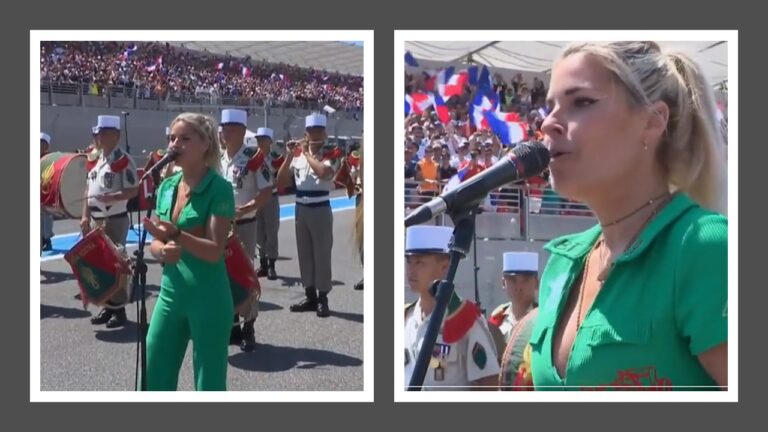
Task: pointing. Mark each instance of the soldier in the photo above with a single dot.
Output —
(312, 171)
(464, 355)
(268, 216)
(112, 181)
(252, 182)
(521, 282)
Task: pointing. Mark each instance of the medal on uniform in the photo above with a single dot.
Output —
(439, 373)
(108, 180)
(434, 363)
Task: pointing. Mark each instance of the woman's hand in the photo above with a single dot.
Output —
(160, 230)
(171, 252)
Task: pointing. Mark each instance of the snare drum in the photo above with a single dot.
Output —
(101, 268)
(243, 280)
(62, 184)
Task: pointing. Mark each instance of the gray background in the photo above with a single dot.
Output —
(384, 18)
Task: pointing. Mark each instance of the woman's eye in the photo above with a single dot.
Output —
(583, 102)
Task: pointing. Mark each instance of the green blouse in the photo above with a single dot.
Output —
(213, 196)
(664, 303)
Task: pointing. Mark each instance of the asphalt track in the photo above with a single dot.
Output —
(295, 351)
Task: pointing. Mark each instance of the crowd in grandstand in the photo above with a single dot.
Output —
(437, 152)
(160, 70)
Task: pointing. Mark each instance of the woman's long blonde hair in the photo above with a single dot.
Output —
(691, 153)
(206, 128)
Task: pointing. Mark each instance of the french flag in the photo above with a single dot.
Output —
(506, 126)
(485, 78)
(452, 84)
(472, 75)
(410, 60)
(430, 81)
(220, 66)
(442, 110)
(419, 102)
(485, 100)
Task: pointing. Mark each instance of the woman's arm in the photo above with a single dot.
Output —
(211, 247)
(715, 362)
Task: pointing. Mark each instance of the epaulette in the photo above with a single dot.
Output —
(460, 317)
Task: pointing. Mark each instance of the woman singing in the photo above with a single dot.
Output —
(194, 212)
(640, 300)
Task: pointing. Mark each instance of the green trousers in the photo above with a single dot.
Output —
(201, 313)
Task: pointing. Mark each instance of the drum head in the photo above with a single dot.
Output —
(72, 185)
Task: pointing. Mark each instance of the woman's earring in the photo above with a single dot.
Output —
(645, 145)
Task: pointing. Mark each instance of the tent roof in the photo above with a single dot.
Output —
(329, 55)
(532, 56)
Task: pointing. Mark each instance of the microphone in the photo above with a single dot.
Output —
(169, 157)
(526, 160)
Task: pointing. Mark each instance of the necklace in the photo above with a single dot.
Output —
(635, 211)
(606, 268)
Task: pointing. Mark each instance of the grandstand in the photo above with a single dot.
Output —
(278, 83)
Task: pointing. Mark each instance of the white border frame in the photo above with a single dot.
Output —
(731, 395)
(36, 36)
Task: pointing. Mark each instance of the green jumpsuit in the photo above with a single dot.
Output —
(195, 298)
(664, 303)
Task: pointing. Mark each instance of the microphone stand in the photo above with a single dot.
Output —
(125, 121)
(463, 232)
(139, 287)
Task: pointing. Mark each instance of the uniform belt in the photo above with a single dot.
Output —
(245, 221)
(311, 193)
(117, 216)
(325, 203)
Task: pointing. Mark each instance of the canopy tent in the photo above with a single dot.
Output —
(329, 55)
(535, 58)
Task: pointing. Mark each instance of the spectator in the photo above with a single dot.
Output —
(539, 93)
(427, 173)
(473, 166)
(462, 154)
(487, 158)
(446, 171)
(168, 71)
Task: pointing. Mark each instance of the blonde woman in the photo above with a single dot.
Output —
(641, 298)
(194, 211)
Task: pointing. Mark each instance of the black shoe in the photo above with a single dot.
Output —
(103, 317)
(359, 286)
(271, 275)
(308, 304)
(322, 306)
(47, 245)
(263, 265)
(118, 319)
(248, 342)
(236, 335)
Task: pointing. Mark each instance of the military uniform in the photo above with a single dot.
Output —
(513, 263)
(268, 219)
(248, 174)
(112, 172)
(314, 228)
(464, 351)
(46, 219)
